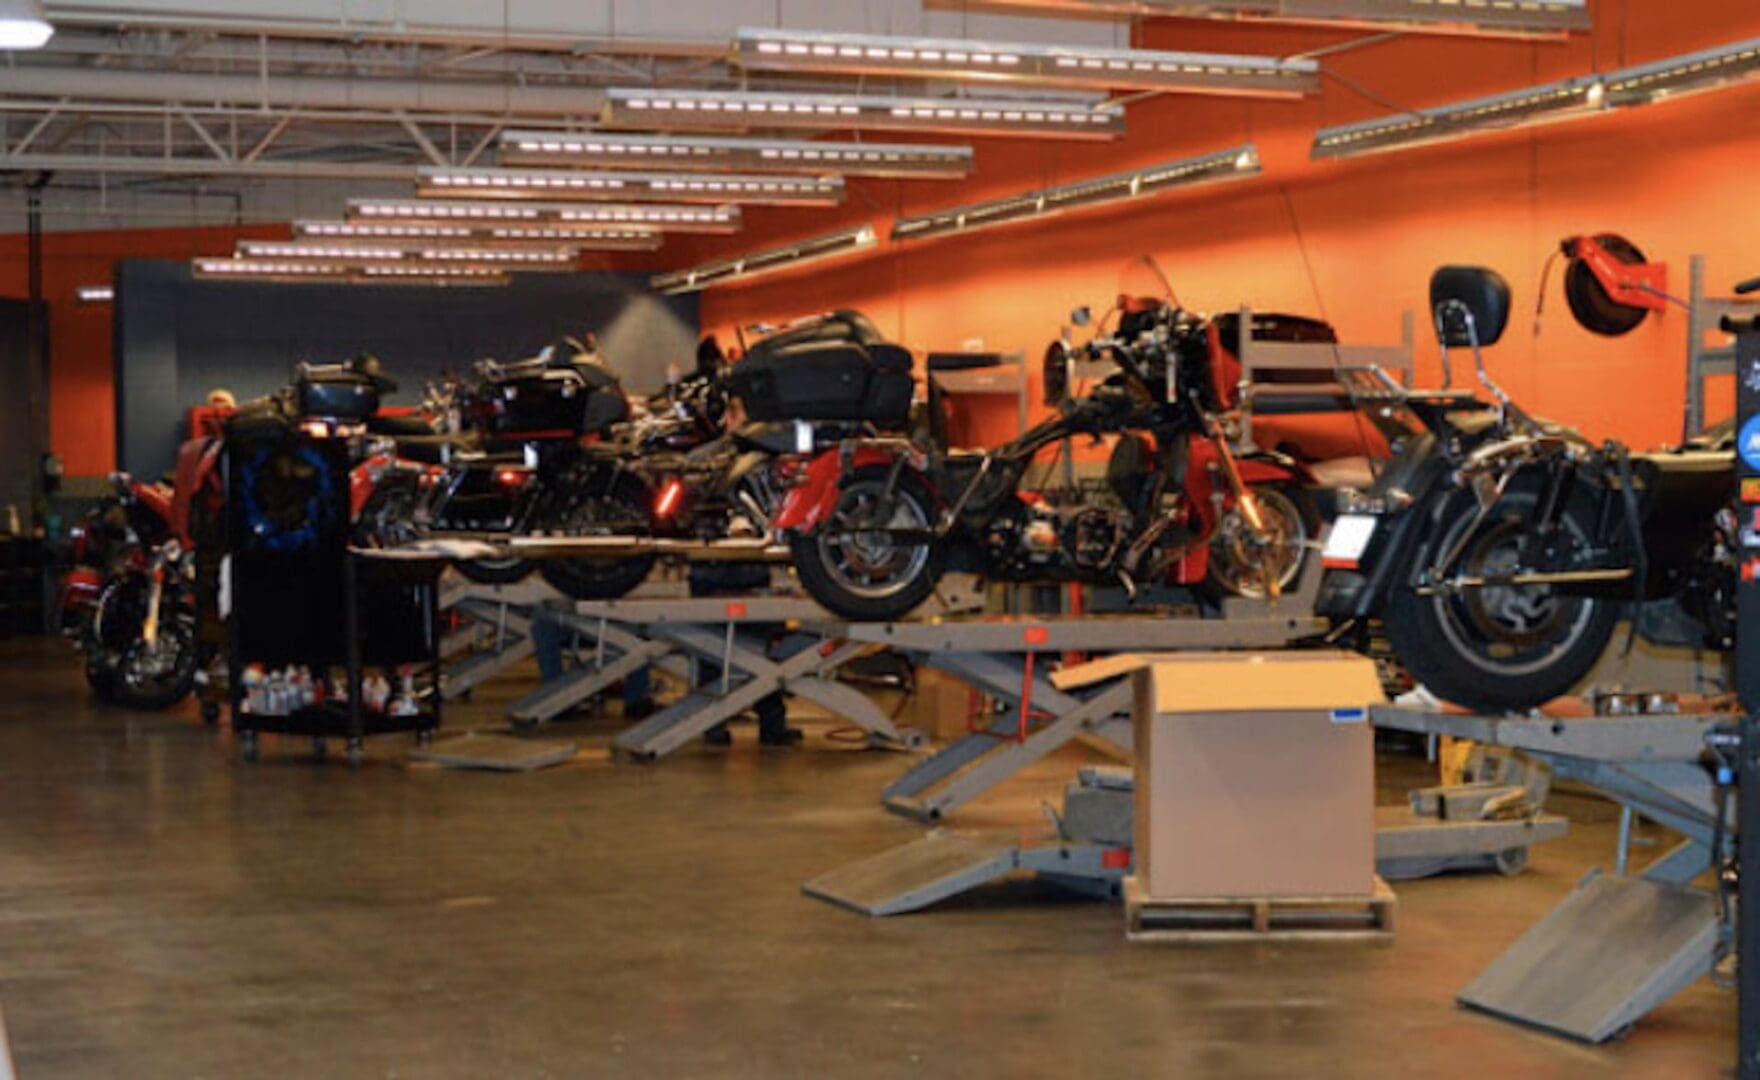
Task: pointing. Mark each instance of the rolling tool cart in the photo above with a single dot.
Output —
(302, 604)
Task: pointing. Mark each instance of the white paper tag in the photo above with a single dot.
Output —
(1348, 539)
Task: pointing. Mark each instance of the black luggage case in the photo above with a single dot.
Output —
(836, 367)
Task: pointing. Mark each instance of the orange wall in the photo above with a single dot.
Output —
(82, 406)
(1354, 241)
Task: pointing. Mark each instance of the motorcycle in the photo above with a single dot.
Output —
(133, 517)
(1499, 550)
(534, 462)
(141, 642)
(875, 522)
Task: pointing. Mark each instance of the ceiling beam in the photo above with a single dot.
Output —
(121, 164)
(411, 96)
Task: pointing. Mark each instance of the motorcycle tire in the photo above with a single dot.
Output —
(507, 571)
(1295, 504)
(100, 675)
(159, 693)
(627, 506)
(822, 561)
(1471, 648)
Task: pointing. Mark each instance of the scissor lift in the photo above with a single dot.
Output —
(496, 635)
(1006, 659)
(619, 637)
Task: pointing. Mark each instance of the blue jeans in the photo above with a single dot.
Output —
(550, 636)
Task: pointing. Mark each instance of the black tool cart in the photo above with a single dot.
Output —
(301, 606)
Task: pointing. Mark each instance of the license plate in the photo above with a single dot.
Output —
(1347, 541)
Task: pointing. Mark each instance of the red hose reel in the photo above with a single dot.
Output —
(1609, 285)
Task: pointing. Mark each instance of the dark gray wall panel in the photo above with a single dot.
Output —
(178, 338)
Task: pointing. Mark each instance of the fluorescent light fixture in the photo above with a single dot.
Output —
(816, 249)
(554, 258)
(1077, 66)
(693, 109)
(1584, 95)
(239, 269)
(1234, 164)
(584, 238)
(490, 214)
(491, 183)
(23, 25)
(1491, 18)
(613, 150)
(95, 294)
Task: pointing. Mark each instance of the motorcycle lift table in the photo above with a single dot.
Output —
(1485, 824)
(1617, 946)
(1002, 657)
(619, 637)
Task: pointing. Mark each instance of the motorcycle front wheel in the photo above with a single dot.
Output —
(852, 567)
(624, 511)
(159, 675)
(1243, 561)
(1504, 647)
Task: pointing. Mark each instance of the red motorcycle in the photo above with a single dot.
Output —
(875, 522)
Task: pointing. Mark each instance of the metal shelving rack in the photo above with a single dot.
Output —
(1704, 313)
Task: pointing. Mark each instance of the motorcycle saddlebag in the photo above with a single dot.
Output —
(574, 399)
(345, 397)
(836, 367)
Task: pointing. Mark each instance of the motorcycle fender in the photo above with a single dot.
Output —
(811, 501)
(1270, 467)
(1401, 539)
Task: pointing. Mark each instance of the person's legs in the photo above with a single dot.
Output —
(547, 638)
(638, 699)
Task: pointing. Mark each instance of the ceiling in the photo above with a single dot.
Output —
(188, 112)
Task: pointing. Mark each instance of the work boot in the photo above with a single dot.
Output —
(786, 736)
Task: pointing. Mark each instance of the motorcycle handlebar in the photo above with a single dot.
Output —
(1743, 288)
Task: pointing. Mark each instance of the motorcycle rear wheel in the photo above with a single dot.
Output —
(864, 576)
(622, 512)
(1502, 648)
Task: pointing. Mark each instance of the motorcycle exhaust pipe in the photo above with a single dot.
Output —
(1554, 577)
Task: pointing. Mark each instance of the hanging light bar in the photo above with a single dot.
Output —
(1078, 66)
(586, 238)
(612, 150)
(1485, 18)
(493, 183)
(816, 249)
(693, 109)
(1584, 95)
(490, 214)
(240, 269)
(559, 258)
(95, 294)
(1240, 162)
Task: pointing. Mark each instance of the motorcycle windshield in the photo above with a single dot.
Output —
(1142, 286)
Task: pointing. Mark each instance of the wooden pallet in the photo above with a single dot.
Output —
(1274, 918)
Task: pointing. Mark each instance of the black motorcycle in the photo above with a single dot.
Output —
(532, 462)
(1500, 550)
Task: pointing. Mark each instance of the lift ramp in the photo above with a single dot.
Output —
(944, 864)
(1611, 951)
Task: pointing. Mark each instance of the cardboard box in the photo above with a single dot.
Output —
(1255, 773)
(939, 706)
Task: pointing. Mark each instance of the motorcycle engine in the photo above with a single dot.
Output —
(1042, 537)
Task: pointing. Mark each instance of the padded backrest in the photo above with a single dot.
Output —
(1455, 290)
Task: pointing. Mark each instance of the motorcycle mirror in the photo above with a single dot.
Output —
(1081, 316)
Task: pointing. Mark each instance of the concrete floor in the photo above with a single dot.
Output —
(166, 910)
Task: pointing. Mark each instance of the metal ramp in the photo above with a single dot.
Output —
(1614, 949)
(945, 864)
